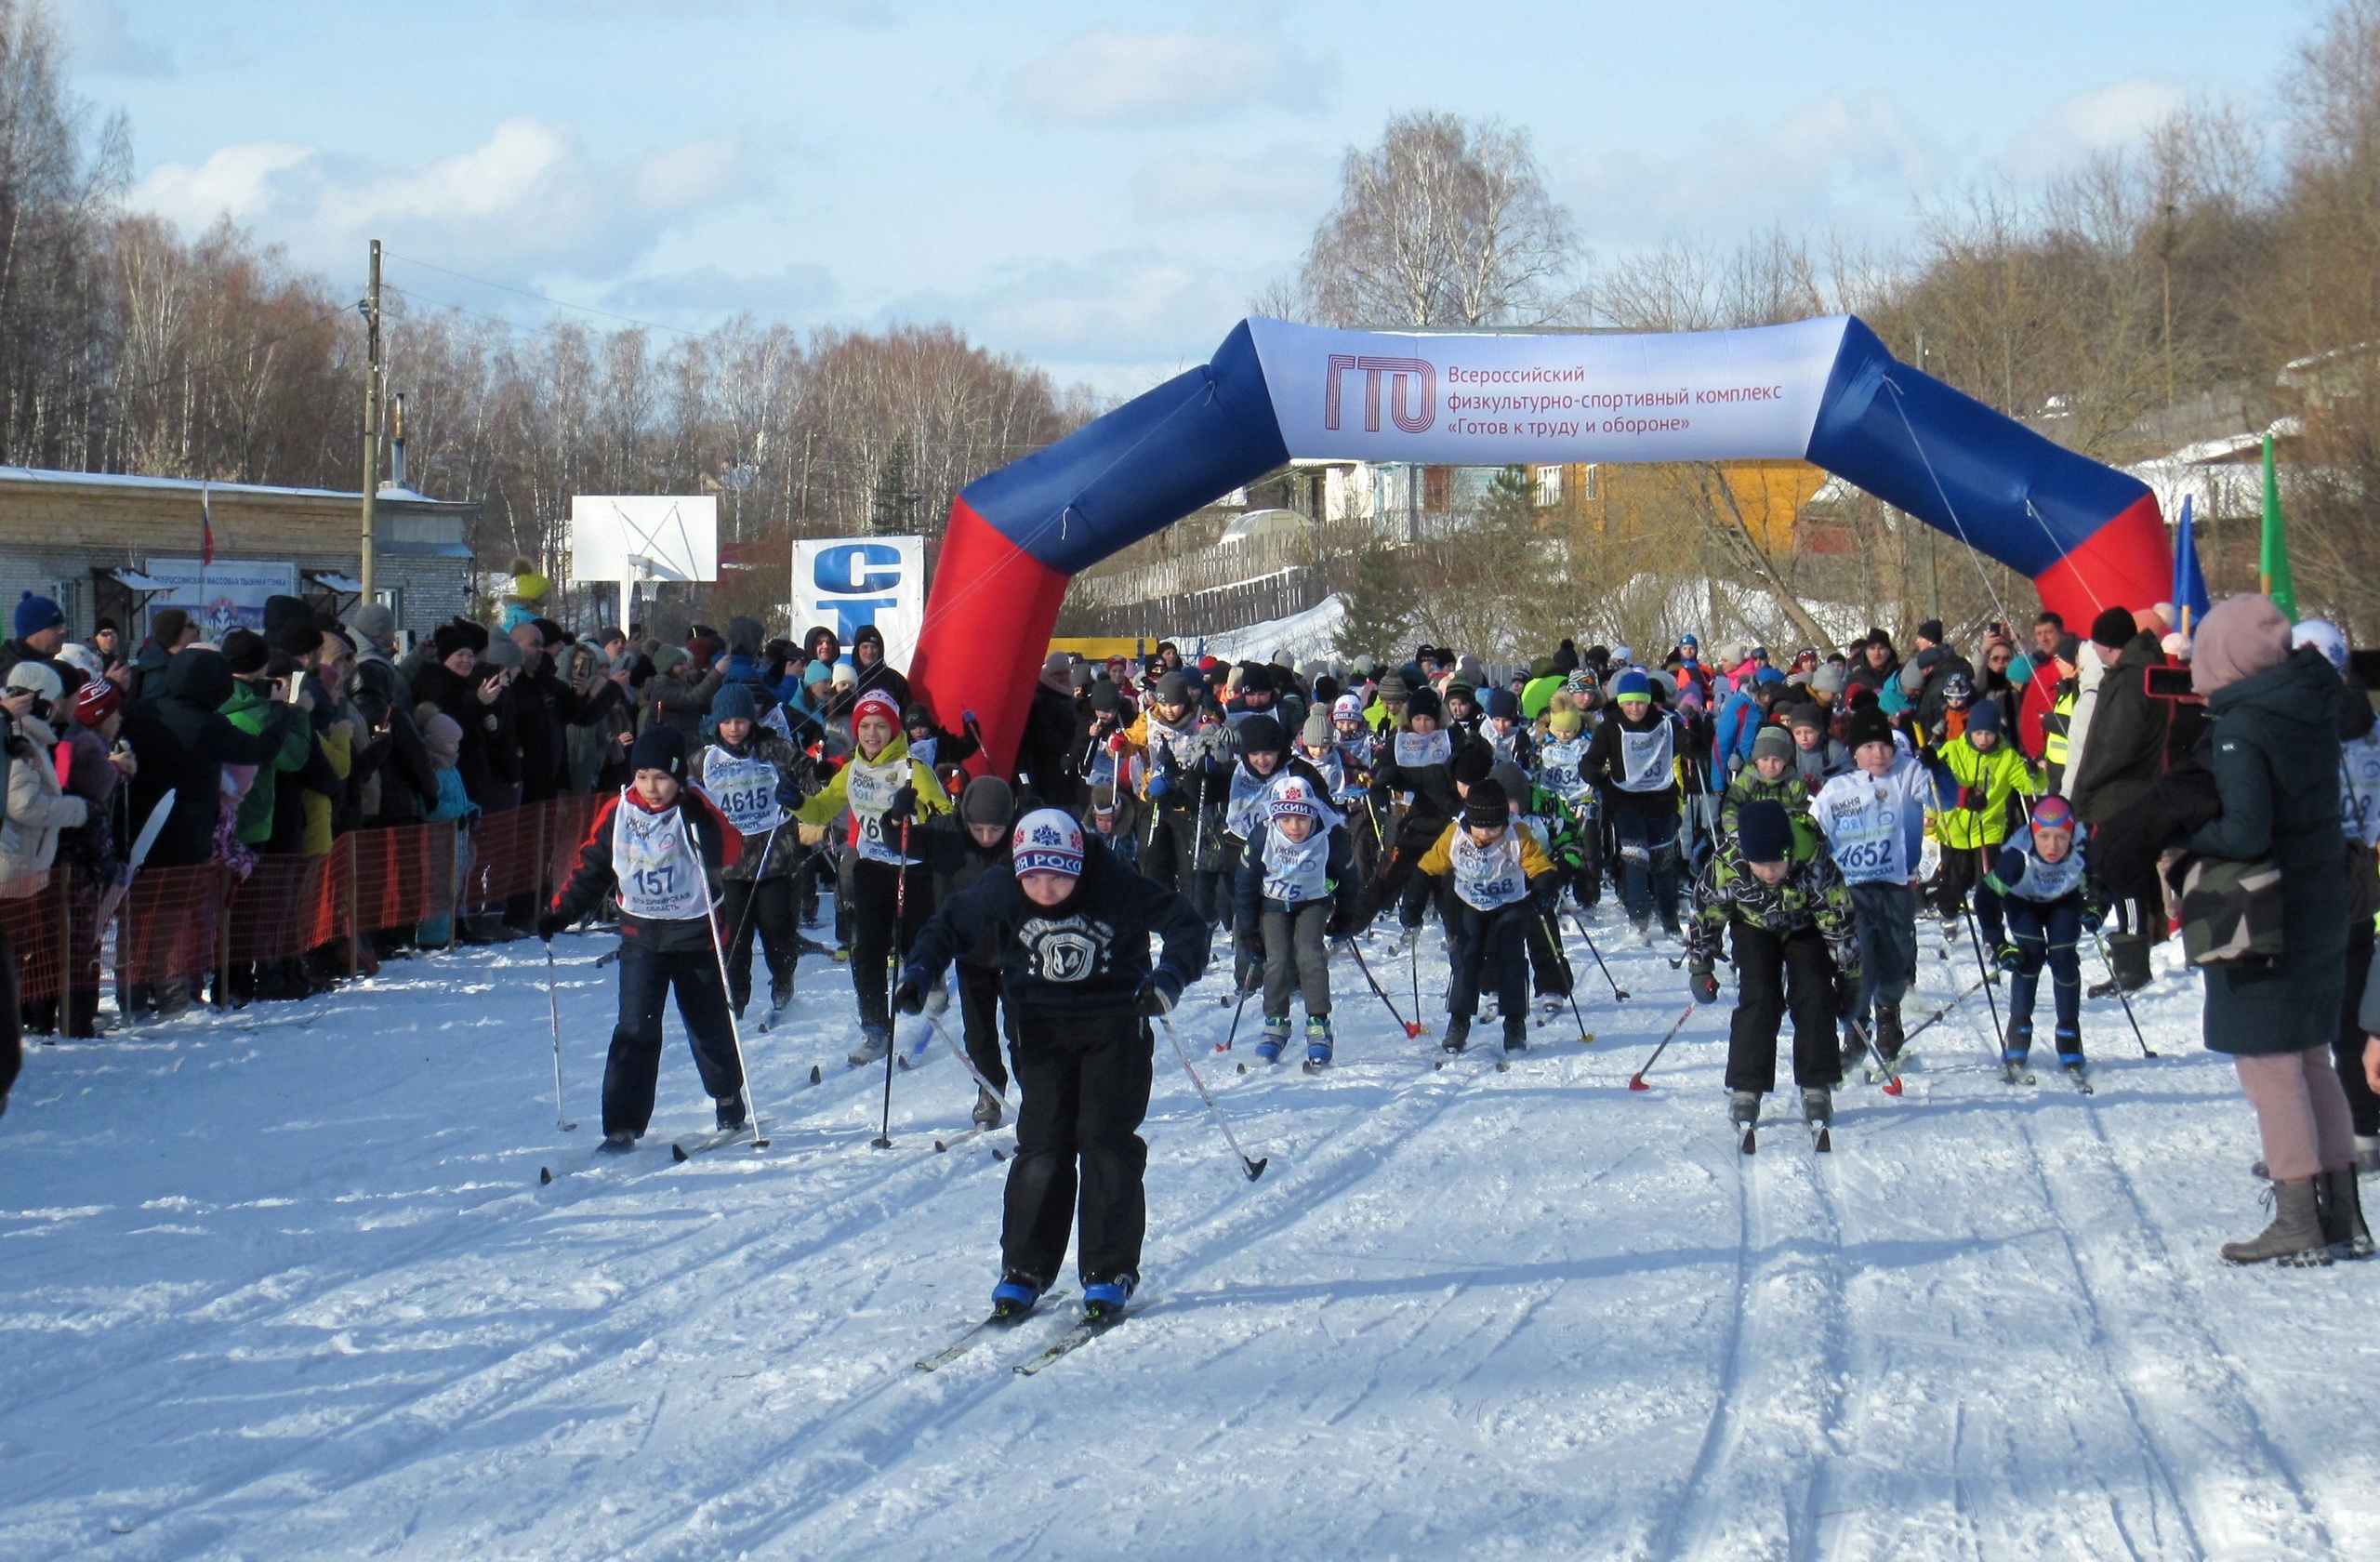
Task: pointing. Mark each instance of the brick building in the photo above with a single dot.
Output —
(121, 546)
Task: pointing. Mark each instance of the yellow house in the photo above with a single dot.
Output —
(1769, 495)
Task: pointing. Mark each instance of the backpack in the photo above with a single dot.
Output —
(2230, 910)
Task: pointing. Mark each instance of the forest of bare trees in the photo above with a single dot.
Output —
(124, 347)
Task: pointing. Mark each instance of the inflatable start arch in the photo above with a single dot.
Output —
(1822, 390)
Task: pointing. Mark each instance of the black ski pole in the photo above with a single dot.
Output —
(883, 1140)
(1553, 936)
(2124, 997)
(1618, 993)
(1412, 1029)
(1252, 1168)
(1999, 1036)
(1233, 1034)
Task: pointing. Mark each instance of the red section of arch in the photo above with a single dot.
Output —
(2128, 563)
(986, 632)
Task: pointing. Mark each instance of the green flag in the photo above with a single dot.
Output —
(2274, 565)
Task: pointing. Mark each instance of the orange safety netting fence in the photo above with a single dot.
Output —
(185, 923)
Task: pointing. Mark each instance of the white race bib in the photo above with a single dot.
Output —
(871, 788)
(659, 871)
(1645, 759)
(745, 789)
(1488, 877)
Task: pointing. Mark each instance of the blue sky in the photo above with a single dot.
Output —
(1100, 188)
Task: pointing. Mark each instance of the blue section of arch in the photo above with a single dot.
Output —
(1957, 465)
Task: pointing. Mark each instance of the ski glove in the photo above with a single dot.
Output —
(1159, 785)
(903, 808)
(1408, 940)
(909, 997)
(789, 792)
(2093, 917)
(1703, 984)
(1846, 994)
(1159, 991)
(549, 923)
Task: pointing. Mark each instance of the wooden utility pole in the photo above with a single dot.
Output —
(371, 415)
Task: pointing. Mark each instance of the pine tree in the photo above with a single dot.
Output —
(1380, 600)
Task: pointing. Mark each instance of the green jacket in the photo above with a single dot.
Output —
(246, 709)
(1985, 783)
(1793, 792)
(1811, 894)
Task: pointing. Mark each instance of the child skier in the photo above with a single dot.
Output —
(753, 776)
(661, 847)
(1633, 758)
(1503, 882)
(1795, 947)
(1983, 772)
(2041, 878)
(1072, 928)
(1771, 777)
(884, 790)
(1574, 837)
(1420, 763)
(1874, 821)
(1296, 881)
(965, 847)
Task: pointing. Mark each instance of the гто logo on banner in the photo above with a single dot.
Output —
(1413, 390)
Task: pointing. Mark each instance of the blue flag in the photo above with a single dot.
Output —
(2189, 581)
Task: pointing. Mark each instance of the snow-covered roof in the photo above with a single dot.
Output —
(50, 477)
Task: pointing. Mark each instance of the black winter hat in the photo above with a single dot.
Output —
(1472, 763)
(299, 637)
(2113, 628)
(660, 746)
(1865, 725)
(1255, 678)
(1260, 733)
(1566, 660)
(1763, 833)
(1105, 696)
(244, 652)
(1173, 689)
(280, 610)
(1424, 702)
(447, 639)
(1488, 806)
(1931, 629)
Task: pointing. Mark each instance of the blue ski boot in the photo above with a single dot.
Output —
(2070, 1057)
(1317, 1041)
(1276, 1035)
(2018, 1047)
(1015, 1296)
(1102, 1300)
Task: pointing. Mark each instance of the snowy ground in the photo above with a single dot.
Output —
(291, 1286)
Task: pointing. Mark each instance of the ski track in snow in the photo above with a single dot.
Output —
(287, 1284)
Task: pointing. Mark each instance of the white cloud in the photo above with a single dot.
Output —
(1102, 317)
(236, 181)
(2110, 118)
(528, 201)
(1170, 76)
(100, 40)
(1856, 161)
(706, 293)
(1282, 181)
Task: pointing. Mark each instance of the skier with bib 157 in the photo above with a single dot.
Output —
(1072, 927)
(663, 846)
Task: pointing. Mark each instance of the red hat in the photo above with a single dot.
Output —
(875, 702)
(96, 701)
